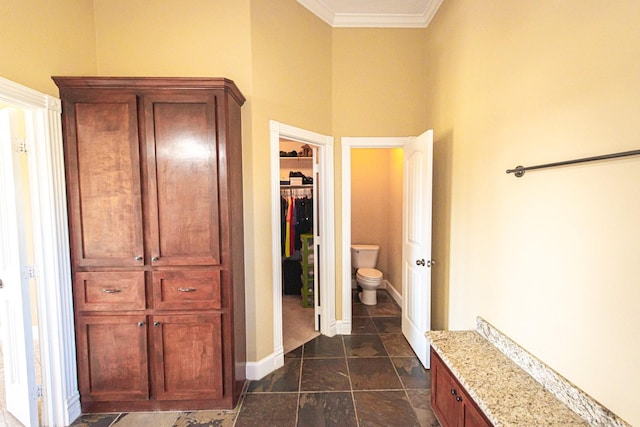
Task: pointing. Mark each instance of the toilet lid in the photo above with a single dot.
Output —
(370, 273)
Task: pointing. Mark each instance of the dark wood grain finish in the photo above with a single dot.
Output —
(103, 176)
(181, 147)
(154, 177)
(112, 357)
(187, 289)
(451, 404)
(106, 291)
(187, 351)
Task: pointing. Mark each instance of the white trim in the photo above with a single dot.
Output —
(326, 223)
(343, 327)
(393, 292)
(261, 368)
(347, 144)
(352, 20)
(373, 20)
(61, 404)
(320, 9)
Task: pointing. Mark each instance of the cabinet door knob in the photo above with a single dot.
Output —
(453, 391)
(140, 324)
(138, 258)
(459, 399)
(154, 258)
(156, 324)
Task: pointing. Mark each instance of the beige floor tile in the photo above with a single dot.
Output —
(156, 419)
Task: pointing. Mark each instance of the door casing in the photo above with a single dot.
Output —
(348, 143)
(61, 400)
(326, 225)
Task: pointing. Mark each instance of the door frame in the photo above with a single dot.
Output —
(347, 144)
(61, 399)
(326, 224)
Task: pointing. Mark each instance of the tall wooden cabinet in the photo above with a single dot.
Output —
(154, 186)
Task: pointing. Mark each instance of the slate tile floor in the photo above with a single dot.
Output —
(369, 378)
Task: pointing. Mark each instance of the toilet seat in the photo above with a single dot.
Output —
(369, 274)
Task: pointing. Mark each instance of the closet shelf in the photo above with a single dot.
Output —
(296, 186)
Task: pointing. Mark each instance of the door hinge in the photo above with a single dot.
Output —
(29, 272)
(36, 392)
(20, 145)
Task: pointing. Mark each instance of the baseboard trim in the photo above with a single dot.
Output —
(265, 366)
(393, 292)
(343, 327)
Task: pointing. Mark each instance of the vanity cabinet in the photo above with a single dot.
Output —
(154, 188)
(450, 402)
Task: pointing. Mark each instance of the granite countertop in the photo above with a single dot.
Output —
(506, 394)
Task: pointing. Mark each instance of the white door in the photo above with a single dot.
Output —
(416, 243)
(316, 241)
(17, 341)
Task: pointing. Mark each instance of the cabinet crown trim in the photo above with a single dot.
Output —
(162, 83)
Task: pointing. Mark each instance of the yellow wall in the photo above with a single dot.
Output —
(379, 83)
(379, 89)
(41, 38)
(551, 258)
(174, 38)
(376, 207)
(394, 224)
(292, 81)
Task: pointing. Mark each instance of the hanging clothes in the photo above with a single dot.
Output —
(290, 222)
(296, 209)
(304, 219)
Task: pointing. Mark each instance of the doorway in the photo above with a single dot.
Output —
(416, 233)
(323, 240)
(298, 232)
(58, 396)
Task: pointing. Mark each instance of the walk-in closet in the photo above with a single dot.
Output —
(298, 204)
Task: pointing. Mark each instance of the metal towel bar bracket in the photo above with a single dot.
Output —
(519, 171)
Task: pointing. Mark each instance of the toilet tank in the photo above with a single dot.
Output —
(364, 256)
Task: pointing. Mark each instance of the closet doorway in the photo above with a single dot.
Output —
(298, 234)
(303, 256)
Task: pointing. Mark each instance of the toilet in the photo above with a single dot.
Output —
(363, 261)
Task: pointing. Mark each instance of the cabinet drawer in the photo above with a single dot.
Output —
(122, 290)
(186, 289)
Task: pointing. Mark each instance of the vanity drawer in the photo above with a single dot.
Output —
(186, 289)
(108, 291)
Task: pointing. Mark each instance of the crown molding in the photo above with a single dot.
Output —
(372, 20)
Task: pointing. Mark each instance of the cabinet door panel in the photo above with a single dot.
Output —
(187, 352)
(112, 357)
(102, 150)
(182, 150)
(473, 417)
(122, 290)
(449, 411)
(186, 289)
